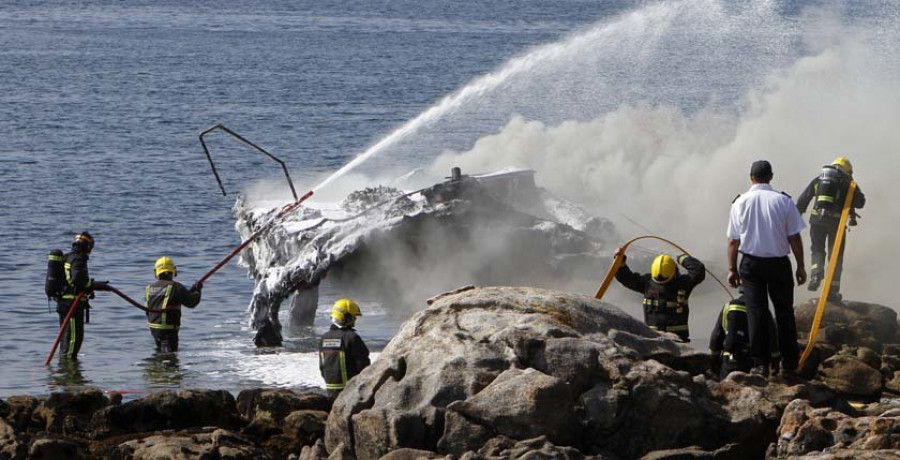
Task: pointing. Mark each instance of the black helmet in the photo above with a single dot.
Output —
(83, 242)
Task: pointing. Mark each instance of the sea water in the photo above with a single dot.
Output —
(101, 104)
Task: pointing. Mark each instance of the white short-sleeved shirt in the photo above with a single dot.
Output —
(763, 219)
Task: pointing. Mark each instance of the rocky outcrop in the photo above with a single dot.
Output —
(187, 424)
(502, 366)
(805, 430)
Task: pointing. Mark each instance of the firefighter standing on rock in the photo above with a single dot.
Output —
(826, 193)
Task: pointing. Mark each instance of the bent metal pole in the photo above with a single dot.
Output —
(829, 274)
(62, 327)
(620, 259)
(284, 211)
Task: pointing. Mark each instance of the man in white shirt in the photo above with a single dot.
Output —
(765, 226)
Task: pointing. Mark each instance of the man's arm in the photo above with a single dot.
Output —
(630, 279)
(696, 270)
(734, 278)
(796, 242)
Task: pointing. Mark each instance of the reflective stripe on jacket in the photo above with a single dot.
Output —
(168, 296)
(342, 355)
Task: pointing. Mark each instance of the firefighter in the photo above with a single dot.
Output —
(665, 291)
(77, 280)
(826, 193)
(167, 297)
(342, 353)
(729, 344)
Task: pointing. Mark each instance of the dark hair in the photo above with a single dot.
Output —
(761, 170)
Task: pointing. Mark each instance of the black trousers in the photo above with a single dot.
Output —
(764, 278)
(819, 234)
(166, 340)
(73, 333)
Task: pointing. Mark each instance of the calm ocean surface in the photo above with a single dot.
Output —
(100, 106)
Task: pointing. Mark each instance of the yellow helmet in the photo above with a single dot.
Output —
(344, 312)
(664, 269)
(844, 164)
(165, 265)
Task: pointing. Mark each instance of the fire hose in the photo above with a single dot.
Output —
(620, 259)
(72, 308)
(832, 263)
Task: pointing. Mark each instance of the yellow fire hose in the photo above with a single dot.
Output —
(620, 259)
(832, 262)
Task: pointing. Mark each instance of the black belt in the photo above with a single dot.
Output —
(762, 258)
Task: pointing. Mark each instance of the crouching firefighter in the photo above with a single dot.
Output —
(729, 344)
(77, 280)
(342, 353)
(165, 298)
(665, 291)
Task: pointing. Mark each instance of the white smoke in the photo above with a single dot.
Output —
(677, 174)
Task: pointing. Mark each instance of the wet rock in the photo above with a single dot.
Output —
(893, 384)
(851, 376)
(54, 449)
(11, 446)
(68, 413)
(279, 403)
(169, 410)
(220, 444)
(19, 411)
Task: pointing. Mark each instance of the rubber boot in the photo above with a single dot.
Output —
(815, 279)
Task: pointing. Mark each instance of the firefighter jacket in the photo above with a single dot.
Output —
(827, 199)
(342, 354)
(77, 277)
(731, 335)
(169, 296)
(666, 305)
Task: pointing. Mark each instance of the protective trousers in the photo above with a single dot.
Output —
(166, 340)
(73, 333)
(819, 234)
(764, 278)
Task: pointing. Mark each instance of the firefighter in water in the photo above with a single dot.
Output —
(77, 280)
(729, 344)
(826, 193)
(665, 291)
(166, 297)
(342, 353)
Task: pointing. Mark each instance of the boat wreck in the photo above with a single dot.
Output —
(495, 228)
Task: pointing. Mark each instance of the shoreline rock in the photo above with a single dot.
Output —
(506, 373)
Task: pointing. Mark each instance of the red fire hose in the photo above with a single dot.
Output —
(284, 211)
(62, 327)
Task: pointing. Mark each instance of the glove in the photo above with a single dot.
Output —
(198, 287)
(681, 258)
(100, 285)
(620, 252)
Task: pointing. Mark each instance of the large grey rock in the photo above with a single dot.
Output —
(520, 363)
